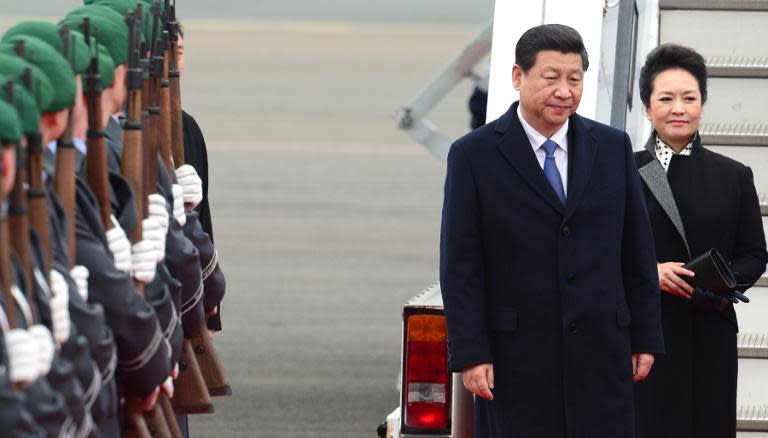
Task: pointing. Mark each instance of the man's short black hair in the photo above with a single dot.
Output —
(557, 37)
(670, 56)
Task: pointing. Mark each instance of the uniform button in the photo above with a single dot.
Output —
(573, 327)
(566, 230)
(571, 279)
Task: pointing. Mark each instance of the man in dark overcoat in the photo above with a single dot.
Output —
(547, 266)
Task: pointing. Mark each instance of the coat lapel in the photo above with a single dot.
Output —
(655, 179)
(582, 149)
(517, 150)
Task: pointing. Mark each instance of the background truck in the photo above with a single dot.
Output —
(731, 34)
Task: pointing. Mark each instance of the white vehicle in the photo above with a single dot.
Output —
(732, 36)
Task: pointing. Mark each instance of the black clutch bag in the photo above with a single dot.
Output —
(713, 274)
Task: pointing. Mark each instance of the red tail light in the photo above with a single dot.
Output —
(426, 380)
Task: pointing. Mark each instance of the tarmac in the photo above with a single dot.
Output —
(326, 216)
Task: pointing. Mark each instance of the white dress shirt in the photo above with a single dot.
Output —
(665, 153)
(561, 153)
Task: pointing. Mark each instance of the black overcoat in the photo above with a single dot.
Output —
(556, 297)
(692, 389)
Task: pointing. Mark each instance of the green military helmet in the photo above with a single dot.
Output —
(24, 104)
(10, 125)
(40, 54)
(123, 7)
(106, 69)
(49, 32)
(107, 26)
(42, 89)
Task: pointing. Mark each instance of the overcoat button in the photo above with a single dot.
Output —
(573, 327)
(566, 230)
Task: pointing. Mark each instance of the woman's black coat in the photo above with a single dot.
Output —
(691, 391)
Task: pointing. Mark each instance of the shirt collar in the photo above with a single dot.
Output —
(662, 147)
(537, 139)
(79, 145)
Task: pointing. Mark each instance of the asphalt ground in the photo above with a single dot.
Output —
(326, 216)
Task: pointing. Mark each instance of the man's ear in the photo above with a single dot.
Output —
(517, 76)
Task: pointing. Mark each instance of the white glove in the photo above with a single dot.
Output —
(143, 261)
(23, 355)
(45, 348)
(188, 179)
(119, 246)
(153, 232)
(167, 387)
(60, 308)
(80, 274)
(178, 204)
(158, 209)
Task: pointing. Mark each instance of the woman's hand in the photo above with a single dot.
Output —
(670, 281)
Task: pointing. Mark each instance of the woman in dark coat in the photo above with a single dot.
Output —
(697, 200)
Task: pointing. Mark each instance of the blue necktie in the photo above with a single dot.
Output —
(550, 169)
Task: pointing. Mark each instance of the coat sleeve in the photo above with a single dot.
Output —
(214, 283)
(749, 254)
(638, 254)
(462, 280)
(142, 352)
(15, 419)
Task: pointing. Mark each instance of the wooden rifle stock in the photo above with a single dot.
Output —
(137, 422)
(6, 269)
(202, 343)
(132, 160)
(165, 119)
(96, 164)
(191, 393)
(17, 216)
(64, 175)
(136, 426)
(37, 193)
(19, 226)
(210, 364)
(37, 198)
(174, 79)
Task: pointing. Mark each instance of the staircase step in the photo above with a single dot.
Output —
(751, 316)
(717, 33)
(721, 5)
(734, 134)
(753, 345)
(753, 418)
(736, 101)
(737, 66)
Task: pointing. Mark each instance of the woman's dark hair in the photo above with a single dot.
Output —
(669, 56)
(549, 37)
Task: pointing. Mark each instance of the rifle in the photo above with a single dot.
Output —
(36, 194)
(19, 223)
(96, 164)
(202, 343)
(151, 121)
(131, 168)
(6, 276)
(64, 176)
